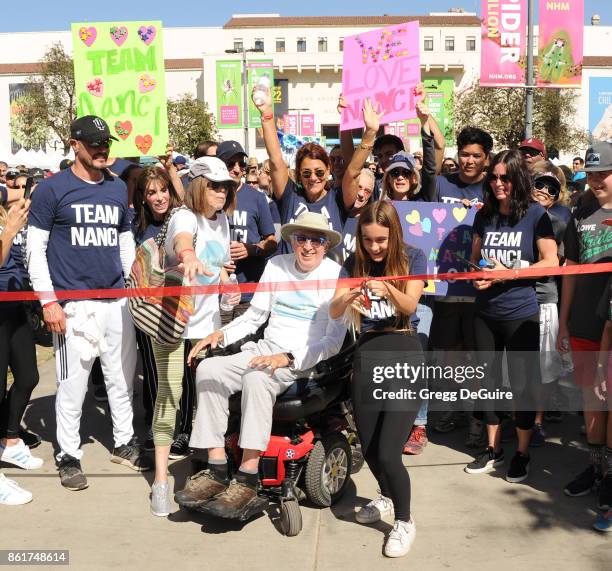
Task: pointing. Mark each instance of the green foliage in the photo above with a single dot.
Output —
(189, 123)
(501, 112)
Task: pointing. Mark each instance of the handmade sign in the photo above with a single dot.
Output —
(439, 229)
(560, 37)
(119, 76)
(384, 66)
(502, 53)
(229, 96)
(256, 69)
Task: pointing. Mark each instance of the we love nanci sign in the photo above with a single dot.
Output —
(384, 66)
(119, 76)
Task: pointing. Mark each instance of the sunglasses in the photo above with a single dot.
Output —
(316, 243)
(395, 173)
(98, 144)
(306, 174)
(530, 152)
(503, 177)
(217, 185)
(241, 164)
(541, 185)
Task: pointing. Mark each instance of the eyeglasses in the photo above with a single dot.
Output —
(98, 144)
(241, 164)
(541, 185)
(306, 173)
(503, 177)
(395, 173)
(316, 243)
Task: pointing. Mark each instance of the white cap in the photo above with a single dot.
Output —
(210, 168)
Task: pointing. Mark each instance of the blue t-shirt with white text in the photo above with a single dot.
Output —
(450, 189)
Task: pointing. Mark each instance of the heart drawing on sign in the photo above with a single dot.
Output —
(146, 83)
(439, 215)
(96, 87)
(88, 35)
(416, 229)
(123, 129)
(119, 34)
(143, 143)
(414, 217)
(426, 224)
(147, 33)
(459, 213)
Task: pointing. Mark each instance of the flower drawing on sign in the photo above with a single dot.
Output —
(147, 34)
(87, 35)
(384, 46)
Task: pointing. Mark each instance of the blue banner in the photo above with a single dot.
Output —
(440, 229)
(600, 108)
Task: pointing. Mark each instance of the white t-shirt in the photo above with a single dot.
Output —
(212, 248)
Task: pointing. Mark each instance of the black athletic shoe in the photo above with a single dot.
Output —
(71, 475)
(519, 468)
(30, 439)
(604, 501)
(180, 447)
(553, 416)
(486, 462)
(132, 456)
(587, 481)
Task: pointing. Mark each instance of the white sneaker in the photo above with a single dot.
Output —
(160, 500)
(375, 510)
(11, 494)
(20, 455)
(400, 539)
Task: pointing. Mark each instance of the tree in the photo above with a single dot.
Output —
(189, 123)
(501, 112)
(49, 107)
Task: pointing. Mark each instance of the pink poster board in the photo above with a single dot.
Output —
(307, 125)
(382, 65)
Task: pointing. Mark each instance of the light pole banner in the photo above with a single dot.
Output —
(229, 94)
(504, 40)
(255, 70)
(119, 76)
(600, 108)
(384, 66)
(560, 43)
(307, 125)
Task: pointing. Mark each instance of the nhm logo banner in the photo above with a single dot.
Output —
(503, 49)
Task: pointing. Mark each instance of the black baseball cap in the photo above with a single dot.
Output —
(227, 149)
(599, 157)
(388, 139)
(90, 129)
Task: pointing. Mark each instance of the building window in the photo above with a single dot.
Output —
(428, 44)
(322, 44)
(449, 44)
(280, 44)
(238, 44)
(470, 44)
(259, 44)
(341, 45)
(301, 44)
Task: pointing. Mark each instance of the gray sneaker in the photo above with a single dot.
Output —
(160, 499)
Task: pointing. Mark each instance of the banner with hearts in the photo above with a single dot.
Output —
(438, 230)
(124, 83)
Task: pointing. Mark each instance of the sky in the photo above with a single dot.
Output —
(45, 15)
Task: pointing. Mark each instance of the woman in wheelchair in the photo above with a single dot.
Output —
(384, 313)
(299, 334)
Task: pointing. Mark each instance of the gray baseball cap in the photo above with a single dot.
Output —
(599, 157)
(211, 168)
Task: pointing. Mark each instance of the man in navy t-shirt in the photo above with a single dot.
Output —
(251, 227)
(79, 238)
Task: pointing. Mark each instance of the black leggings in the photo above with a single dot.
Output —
(383, 433)
(521, 340)
(17, 350)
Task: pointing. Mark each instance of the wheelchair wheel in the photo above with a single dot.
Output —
(290, 518)
(328, 470)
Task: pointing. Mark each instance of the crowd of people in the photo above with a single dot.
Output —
(224, 218)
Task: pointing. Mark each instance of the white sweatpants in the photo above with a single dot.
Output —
(118, 362)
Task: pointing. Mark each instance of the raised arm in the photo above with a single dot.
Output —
(278, 169)
(346, 138)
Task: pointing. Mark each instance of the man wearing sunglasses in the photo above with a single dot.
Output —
(79, 238)
(533, 150)
(298, 335)
(251, 226)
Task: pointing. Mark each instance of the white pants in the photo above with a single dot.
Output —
(73, 365)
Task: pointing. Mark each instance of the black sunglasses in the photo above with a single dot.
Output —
(503, 177)
(306, 174)
(98, 144)
(530, 152)
(317, 242)
(241, 164)
(395, 173)
(541, 185)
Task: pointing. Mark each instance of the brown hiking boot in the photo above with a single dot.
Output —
(199, 489)
(234, 501)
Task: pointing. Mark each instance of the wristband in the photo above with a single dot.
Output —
(45, 305)
(365, 146)
(267, 117)
(180, 254)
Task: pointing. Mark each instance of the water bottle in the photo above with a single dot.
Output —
(566, 358)
(224, 304)
(486, 264)
(261, 88)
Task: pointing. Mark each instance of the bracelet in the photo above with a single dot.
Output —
(48, 304)
(267, 117)
(365, 146)
(180, 254)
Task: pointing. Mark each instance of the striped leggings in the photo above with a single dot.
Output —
(170, 362)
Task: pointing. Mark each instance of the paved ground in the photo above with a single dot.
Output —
(463, 522)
